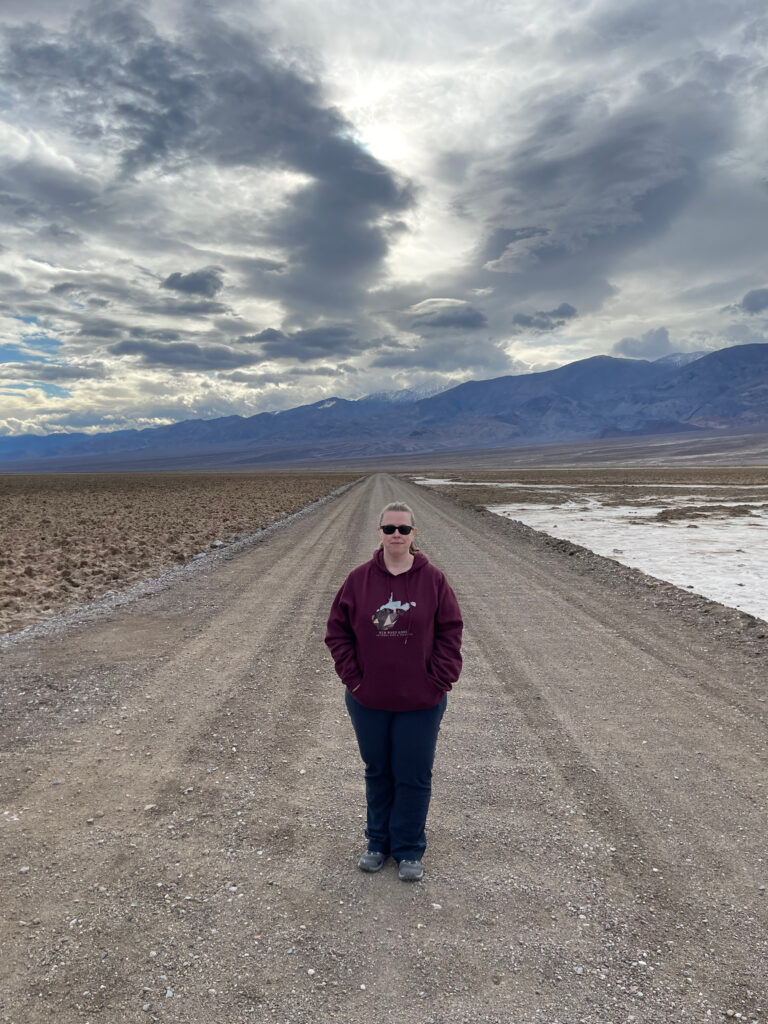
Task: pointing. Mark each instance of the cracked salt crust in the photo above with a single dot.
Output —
(723, 559)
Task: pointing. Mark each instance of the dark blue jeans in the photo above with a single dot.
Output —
(398, 749)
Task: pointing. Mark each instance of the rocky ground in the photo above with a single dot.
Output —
(67, 539)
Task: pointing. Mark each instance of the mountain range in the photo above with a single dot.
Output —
(599, 397)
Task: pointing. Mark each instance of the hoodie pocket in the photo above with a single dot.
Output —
(434, 682)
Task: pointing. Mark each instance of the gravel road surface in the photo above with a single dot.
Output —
(182, 802)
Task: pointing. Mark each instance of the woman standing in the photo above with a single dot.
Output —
(395, 636)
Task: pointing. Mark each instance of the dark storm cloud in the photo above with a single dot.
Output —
(755, 301)
(109, 287)
(445, 355)
(140, 295)
(205, 282)
(336, 230)
(257, 380)
(314, 343)
(97, 327)
(430, 314)
(609, 192)
(599, 175)
(65, 288)
(499, 238)
(95, 291)
(159, 334)
(33, 188)
(221, 96)
(338, 370)
(14, 207)
(63, 236)
(545, 321)
(260, 273)
(639, 27)
(252, 380)
(263, 265)
(438, 313)
(185, 355)
(740, 334)
(652, 345)
(452, 166)
(52, 372)
(185, 308)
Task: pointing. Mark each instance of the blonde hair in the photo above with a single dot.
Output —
(399, 506)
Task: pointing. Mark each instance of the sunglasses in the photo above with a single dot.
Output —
(389, 529)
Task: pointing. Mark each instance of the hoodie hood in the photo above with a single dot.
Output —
(419, 561)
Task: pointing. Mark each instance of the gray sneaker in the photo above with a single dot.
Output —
(410, 871)
(372, 860)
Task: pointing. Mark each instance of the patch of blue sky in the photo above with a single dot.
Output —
(40, 341)
(51, 390)
(35, 349)
(43, 343)
(14, 354)
(54, 391)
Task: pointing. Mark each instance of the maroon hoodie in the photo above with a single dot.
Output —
(397, 636)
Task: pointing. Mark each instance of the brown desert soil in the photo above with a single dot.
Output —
(68, 539)
(182, 798)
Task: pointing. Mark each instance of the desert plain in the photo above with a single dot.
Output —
(66, 539)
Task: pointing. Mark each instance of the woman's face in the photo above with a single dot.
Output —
(396, 543)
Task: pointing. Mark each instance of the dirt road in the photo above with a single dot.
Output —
(182, 804)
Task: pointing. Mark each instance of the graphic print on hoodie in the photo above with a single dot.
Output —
(387, 615)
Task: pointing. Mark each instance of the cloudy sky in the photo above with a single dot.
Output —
(225, 208)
